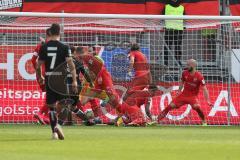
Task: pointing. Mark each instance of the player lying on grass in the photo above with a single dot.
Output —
(42, 115)
(143, 97)
(191, 82)
(103, 87)
(94, 102)
(101, 78)
(54, 54)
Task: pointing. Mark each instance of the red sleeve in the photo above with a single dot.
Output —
(183, 76)
(131, 54)
(34, 61)
(201, 79)
(37, 49)
(35, 55)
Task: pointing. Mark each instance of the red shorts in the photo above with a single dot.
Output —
(140, 81)
(138, 98)
(182, 100)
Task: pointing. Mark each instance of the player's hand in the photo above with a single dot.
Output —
(74, 86)
(42, 40)
(41, 80)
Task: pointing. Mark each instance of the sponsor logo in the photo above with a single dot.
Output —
(8, 4)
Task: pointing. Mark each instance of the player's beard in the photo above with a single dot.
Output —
(190, 69)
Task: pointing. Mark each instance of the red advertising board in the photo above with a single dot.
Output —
(20, 95)
(192, 7)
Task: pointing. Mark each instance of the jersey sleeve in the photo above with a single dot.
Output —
(37, 49)
(131, 55)
(201, 79)
(183, 76)
(42, 53)
(67, 52)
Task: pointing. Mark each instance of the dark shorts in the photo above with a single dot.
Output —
(53, 96)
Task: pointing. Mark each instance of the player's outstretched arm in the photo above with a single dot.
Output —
(206, 95)
(73, 72)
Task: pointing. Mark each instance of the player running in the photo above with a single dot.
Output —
(191, 82)
(42, 115)
(53, 54)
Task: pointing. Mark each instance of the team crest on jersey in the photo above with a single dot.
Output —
(8, 4)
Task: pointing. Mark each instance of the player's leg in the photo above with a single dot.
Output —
(196, 107)
(62, 114)
(95, 105)
(52, 98)
(42, 115)
(134, 114)
(176, 103)
(138, 83)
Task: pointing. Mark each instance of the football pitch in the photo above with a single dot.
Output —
(32, 142)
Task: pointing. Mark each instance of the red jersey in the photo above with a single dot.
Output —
(94, 64)
(35, 57)
(192, 83)
(104, 80)
(140, 62)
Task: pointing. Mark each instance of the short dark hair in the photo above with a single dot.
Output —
(48, 32)
(73, 49)
(80, 50)
(55, 29)
(135, 47)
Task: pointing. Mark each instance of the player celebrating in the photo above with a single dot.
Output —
(53, 54)
(192, 80)
(139, 63)
(42, 115)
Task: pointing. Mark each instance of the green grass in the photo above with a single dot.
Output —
(30, 142)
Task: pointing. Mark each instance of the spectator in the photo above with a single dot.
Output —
(173, 30)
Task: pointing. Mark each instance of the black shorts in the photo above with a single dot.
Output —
(53, 96)
(55, 89)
